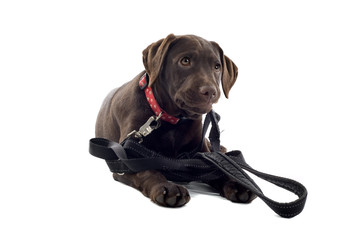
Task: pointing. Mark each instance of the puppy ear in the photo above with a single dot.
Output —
(229, 71)
(154, 55)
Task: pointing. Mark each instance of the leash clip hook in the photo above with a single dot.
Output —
(147, 128)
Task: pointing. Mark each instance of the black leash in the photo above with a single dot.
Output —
(131, 157)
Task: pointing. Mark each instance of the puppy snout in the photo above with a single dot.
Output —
(208, 93)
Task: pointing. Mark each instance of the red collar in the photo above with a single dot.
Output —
(143, 84)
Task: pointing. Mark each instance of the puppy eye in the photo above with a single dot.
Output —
(217, 66)
(185, 61)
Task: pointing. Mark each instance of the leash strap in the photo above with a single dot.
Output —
(132, 157)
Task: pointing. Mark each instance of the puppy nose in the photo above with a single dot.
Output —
(208, 93)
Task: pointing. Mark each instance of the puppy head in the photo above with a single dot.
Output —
(189, 69)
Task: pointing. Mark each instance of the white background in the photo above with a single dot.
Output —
(294, 112)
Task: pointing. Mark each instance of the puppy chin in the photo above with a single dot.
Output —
(194, 111)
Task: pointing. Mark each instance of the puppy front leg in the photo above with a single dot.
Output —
(155, 186)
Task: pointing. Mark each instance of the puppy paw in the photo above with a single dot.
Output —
(235, 192)
(169, 195)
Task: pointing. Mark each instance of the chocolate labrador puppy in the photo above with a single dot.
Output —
(184, 76)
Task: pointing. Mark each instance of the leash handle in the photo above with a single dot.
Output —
(287, 210)
(233, 165)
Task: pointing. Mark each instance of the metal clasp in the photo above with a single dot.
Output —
(151, 124)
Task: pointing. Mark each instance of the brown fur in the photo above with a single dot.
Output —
(182, 88)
